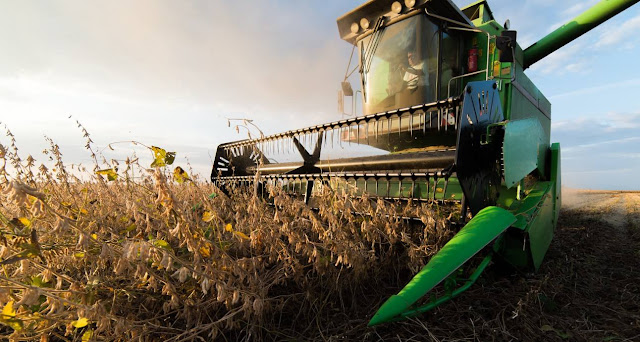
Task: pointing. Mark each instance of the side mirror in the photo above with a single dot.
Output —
(346, 88)
(506, 43)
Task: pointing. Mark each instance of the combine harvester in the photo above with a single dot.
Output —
(449, 116)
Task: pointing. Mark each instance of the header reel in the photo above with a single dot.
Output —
(413, 152)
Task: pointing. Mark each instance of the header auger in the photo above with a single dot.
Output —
(449, 116)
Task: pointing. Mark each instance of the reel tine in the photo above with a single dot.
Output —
(388, 185)
(376, 130)
(435, 187)
(367, 132)
(444, 190)
(427, 184)
(446, 119)
(388, 127)
(411, 124)
(413, 187)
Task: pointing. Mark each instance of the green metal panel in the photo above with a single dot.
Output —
(522, 141)
(536, 220)
(507, 197)
(541, 229)
(488, 224)
(555, 177)
(478, 12)
(525, 209)
(591, 18)
(526, 101)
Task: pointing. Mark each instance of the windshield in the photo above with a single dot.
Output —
(399, 65)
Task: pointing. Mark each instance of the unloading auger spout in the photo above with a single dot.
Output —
(449, 116)
(573, 29)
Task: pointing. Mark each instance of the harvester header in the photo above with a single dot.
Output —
(450, 118)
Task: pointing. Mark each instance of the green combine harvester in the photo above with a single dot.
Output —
(449, 116)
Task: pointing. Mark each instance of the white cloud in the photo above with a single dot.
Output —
(625, 155)
(627, 32)
(623, 120)
(594, 90)
(569, 58)
(582, 147)
(577, 8)
(605, 171)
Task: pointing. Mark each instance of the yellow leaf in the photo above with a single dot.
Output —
(8, 317)
(25, 221)
(180, 175)
(8, 311)
(38, 281)
(15, 323)
(79, 255)
(87, 335)
(206, 250)
(81, 322)
(162, 244)
(20, 223)
(94, 236)
(162, 157)
(242, 235)
(228, 227)
(110, 173)
(31, 199)
(207, 216)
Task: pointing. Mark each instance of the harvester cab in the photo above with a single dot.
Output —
(449, 116)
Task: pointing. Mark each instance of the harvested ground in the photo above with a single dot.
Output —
(588, 288)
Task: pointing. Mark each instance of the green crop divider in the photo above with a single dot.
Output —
(472, 279)
(485, 227)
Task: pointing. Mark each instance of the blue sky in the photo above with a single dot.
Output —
(169, 73)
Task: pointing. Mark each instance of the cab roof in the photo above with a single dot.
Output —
(374, 9)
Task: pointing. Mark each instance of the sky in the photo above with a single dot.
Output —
(170, 74)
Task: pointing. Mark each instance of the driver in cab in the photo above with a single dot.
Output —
(407, 83)
(414, 74)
